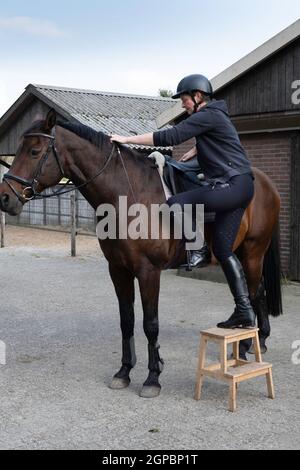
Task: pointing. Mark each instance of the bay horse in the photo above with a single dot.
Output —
(102, 171)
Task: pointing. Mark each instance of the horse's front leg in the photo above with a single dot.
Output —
(149, 282)
(123, 282)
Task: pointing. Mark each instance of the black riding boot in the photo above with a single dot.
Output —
(243, 315)
(198, 258)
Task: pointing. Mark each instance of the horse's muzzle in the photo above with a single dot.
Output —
(9, 202)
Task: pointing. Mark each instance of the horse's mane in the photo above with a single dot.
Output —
(86, 132)
(96, 138)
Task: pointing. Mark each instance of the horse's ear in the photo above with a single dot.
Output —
(50, 120)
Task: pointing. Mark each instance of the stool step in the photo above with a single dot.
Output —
(229, 333)
(246, 371)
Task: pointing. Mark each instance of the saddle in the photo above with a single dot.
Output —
(178, 177)
(182, 176)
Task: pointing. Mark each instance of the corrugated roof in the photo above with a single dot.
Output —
(107, 112)
(104, 111)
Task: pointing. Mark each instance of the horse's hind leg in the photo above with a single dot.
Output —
(253, 258)
(123, 282)
(261, 310)
(149, 282)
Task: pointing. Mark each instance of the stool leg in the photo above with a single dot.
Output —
(236, 354)
(270, 384)
(232, 396)
(236, 350)
(201, 363)
(257, 348)
(223, 356)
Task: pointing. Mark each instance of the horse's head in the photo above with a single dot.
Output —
(36, 166)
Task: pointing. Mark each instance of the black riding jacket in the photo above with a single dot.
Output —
(219, 150)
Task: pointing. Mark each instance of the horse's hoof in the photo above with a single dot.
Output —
(263, 349)
(118, 384)
(149, 391)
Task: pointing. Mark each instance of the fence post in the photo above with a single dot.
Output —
(73, 223)
(2, 218)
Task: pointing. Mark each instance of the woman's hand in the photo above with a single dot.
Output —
(121, 139)
(189, 155)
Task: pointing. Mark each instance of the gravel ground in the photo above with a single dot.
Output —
(59, 321)
(22, 237)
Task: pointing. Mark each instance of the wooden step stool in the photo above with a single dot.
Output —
(235, 370)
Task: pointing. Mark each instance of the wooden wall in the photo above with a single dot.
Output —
(268, 87)
(9, 138)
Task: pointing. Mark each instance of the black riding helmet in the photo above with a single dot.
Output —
(193, 83)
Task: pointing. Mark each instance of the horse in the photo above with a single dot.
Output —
(102, 171)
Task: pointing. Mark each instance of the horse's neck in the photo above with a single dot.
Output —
(83, 164)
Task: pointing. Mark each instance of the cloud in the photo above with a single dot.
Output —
(34, 26)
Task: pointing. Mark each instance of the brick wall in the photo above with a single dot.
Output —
(270, 153)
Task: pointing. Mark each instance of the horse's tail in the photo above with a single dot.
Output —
(272, 275)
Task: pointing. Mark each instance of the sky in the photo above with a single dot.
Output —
(129, 46)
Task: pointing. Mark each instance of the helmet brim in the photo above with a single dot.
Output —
(178, 95)
(188, 92)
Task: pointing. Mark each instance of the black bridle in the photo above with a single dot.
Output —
(30, 185)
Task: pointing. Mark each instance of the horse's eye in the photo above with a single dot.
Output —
(35, 152)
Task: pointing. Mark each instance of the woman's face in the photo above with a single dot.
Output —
(187, 103)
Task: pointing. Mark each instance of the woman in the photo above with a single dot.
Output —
(227, 170)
